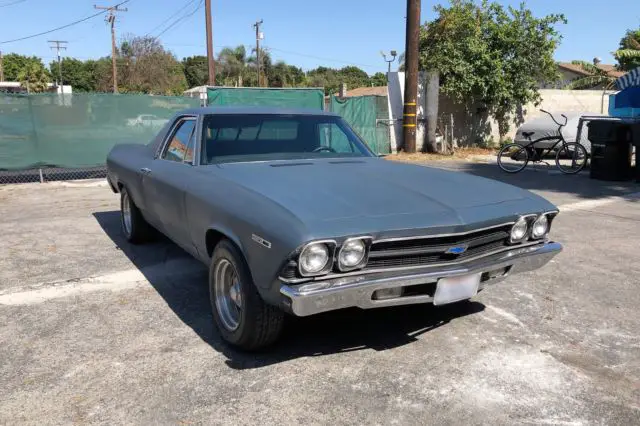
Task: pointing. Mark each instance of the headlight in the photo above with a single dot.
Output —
(314, 259)
(519, 230)
(352, 254)
(540, 227)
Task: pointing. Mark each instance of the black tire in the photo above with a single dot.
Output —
(259, 324)
(137, 231)
(513, 158)
(571, 158)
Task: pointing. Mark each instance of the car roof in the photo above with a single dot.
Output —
(239, 110)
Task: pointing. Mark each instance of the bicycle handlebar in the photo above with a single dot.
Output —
(566, 120)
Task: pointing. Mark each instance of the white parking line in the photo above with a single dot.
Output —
(112, 282)
(117, 281)
(590, 204)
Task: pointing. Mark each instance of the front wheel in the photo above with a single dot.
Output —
(242, 317)
(571, 158)
(513, 158)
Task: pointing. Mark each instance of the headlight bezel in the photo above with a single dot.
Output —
(331, 251)
(366, 241)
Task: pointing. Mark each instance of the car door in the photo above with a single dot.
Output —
(167, 179)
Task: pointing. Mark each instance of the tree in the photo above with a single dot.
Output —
(324, 77)
(145, 66)
(628, 55)
(13, 64)
(331, 78)
(354, 77)
(196, 70)
(284, 75)
(33, 77)
(75, 73)
(265, 68)
(233, 65)
(491, 55)
(379, 79)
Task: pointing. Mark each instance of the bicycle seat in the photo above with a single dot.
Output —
(527, 134)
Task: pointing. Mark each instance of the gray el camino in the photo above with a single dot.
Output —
(294, 214)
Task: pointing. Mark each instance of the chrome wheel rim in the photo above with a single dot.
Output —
(126, 213)
(228, 294)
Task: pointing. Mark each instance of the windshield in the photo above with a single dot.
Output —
(262, 137)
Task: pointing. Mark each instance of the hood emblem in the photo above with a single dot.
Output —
(457, 249)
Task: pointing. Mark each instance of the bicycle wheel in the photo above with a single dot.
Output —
(571, 158)
(513, 157)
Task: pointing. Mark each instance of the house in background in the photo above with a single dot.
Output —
(571, 72)
(16, 87)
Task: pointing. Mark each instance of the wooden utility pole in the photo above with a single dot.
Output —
(410, 119)
(258, 35)
(1, 69)
(59, 44)
(111, 19)
(212, 69)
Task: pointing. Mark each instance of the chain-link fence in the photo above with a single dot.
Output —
(47, 137)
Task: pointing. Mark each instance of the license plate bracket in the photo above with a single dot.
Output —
(455, 289)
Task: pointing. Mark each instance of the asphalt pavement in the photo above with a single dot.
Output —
(93, 330)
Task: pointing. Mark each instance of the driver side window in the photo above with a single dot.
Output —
(331, 135)
(180, 146)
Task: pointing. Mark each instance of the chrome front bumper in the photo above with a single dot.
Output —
(357, 291)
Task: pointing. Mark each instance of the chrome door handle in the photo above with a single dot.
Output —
(145, 170)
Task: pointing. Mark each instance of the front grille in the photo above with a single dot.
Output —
(425, 251)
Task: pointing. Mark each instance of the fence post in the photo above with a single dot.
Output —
(41, 177)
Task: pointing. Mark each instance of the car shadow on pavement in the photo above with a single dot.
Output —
(186, 293)
(547, 178)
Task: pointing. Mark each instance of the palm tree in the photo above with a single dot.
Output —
(629, 56)
(598, 77)
(234, 64)
(34, 78)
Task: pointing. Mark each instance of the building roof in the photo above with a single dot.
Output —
(368, 91)
(608, 68)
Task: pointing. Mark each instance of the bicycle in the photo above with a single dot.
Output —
(570, 158)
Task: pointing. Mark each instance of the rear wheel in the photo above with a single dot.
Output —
(513, 158)
(571, 158)
(242, 317)
(134, 227)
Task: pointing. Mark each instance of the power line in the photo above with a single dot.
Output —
(321, 58)
(173, 15)
(12, 3)
(181, 19)
(64, 26)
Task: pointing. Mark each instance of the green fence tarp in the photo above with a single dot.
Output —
(78, 130)
(249, 96)
(369, 117)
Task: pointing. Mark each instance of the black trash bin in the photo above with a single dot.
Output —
(610, 151)
(635, 132)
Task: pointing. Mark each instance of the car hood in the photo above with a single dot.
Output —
(364, 195)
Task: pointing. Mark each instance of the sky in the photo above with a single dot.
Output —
(332, 33)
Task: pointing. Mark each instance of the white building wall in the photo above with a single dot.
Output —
(470, 126)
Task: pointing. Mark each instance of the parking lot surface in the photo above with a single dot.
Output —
(93, 330)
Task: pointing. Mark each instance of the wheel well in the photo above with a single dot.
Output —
(212, 238)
